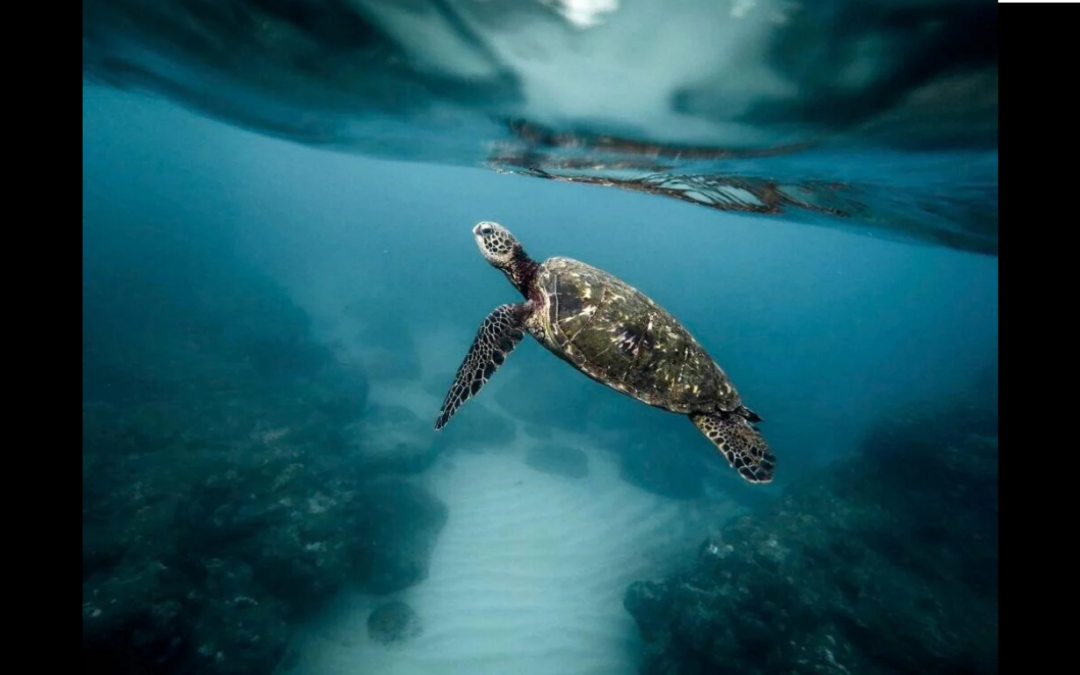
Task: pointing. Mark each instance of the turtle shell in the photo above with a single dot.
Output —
(618, 336)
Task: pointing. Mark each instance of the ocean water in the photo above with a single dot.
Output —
(280, 281)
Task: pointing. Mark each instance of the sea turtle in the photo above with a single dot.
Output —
(617, 336)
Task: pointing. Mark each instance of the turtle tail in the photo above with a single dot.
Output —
(749, 414)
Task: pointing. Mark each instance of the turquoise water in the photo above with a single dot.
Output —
(270, 326)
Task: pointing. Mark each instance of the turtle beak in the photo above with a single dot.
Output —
(476, 229)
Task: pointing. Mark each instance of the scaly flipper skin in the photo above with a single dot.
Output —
(739, 442)
(500, 332)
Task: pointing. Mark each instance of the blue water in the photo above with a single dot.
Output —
(269, 327)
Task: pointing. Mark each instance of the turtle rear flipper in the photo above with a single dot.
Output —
(739, 442)
(499, 333)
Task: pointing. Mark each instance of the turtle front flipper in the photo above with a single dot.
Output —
(498, 335)
(739, 442)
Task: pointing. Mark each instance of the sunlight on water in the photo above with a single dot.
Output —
(770, 107)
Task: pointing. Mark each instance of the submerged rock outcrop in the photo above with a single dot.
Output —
(885, 562)
(222, 495)
(197, 551)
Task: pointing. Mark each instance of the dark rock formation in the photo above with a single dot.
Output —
(184, 572)
(559, 460)
(393, 622)
(221, 491)
(397, 530)
(886, 562)
(238, 628)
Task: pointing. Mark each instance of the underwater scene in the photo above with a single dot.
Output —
(540, 337)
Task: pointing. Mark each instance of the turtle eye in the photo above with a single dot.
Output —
(486, 229)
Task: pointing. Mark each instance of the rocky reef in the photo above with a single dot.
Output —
(197, 555)
(885, 562)
(233, 474)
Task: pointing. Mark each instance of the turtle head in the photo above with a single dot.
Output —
(505, 254)
(498, 246)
